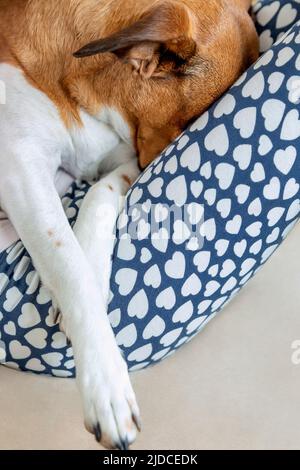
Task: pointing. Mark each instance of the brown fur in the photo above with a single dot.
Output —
(199, 47)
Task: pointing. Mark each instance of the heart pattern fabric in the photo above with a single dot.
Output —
(273, 19)
(219, 202)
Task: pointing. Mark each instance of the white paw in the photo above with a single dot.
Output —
(110, 407)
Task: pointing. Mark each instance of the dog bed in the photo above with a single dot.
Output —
(232, 183)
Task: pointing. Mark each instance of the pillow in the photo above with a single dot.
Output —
(273, 19)
(220, 200)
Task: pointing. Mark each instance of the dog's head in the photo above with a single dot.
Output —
(175, 57)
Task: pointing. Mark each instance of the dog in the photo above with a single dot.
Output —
(101, 87)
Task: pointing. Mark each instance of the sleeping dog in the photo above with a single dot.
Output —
(142, 71)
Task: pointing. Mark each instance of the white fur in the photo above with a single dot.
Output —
(113, 118)
(75, 267)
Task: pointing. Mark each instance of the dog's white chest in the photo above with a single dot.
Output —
(91, 144)
(29, 116)
(95, 142)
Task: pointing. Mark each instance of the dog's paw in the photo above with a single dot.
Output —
(110, 407)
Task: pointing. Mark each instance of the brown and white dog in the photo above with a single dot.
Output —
(157, 65)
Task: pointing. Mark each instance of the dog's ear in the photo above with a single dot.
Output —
(160, 43)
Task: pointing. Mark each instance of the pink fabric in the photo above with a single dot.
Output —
(8, 234)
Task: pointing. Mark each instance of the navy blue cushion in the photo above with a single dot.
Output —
(199, 223)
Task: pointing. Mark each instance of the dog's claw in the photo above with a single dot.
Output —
(124, 444)
(97, 432)
(56, 312)
(56, 317)
(137, 421)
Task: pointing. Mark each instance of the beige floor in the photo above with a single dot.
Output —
(233, 387)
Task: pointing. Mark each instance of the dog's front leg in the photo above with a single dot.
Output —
(98, 214)
(30, 199)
